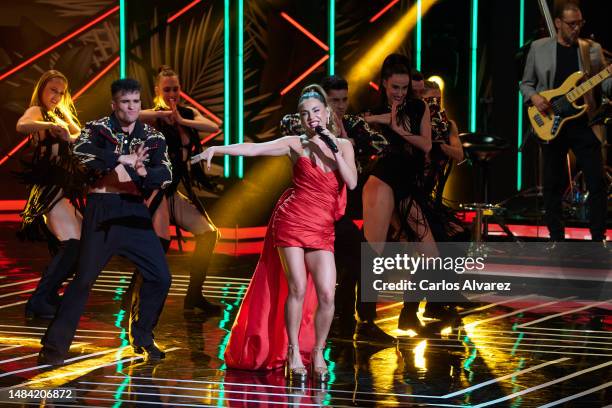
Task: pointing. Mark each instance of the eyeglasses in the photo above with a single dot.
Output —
(575, 24)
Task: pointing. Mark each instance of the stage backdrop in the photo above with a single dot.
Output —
(252, 64)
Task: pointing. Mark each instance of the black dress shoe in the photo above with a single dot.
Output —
(408, 319)
(200, 304)
(46, 357)
(151, 352)
(369, 331)
(445, 313)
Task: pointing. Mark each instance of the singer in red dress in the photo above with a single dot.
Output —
(289, 305)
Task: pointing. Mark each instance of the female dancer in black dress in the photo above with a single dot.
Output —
(55, 183)
(394, 194)
(404, 122)
(446, 149)
(180, 126)
(445, 226)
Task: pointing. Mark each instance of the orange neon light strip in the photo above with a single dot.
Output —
(15, 150)
(375, 86)
(200, 107)
(305, 74)
(304, 31)
(60, 42)
(383, 11)
(209, 137)
(96, 78)
(182, 11)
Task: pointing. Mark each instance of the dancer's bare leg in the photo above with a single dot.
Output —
(322, 267)
(161, 217)
(377, 209)
(64, 221)
(295, 270)
(187, 216)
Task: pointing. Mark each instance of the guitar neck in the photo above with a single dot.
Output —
(586, 86)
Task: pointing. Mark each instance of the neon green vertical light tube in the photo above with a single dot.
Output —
(418, 39)
(473, 63)
(122, 37)
(226, 85)
(332, 36)
(519, 141)
(240, 79)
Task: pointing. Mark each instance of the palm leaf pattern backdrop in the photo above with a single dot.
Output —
(193, 45)
(31, 26)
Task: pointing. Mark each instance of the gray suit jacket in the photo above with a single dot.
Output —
(539, 74)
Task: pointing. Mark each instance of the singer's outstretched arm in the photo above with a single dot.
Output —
(278, 147)
(284, 146)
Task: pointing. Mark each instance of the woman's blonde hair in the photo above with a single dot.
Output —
(64, 107)
(316, 91)
(163, 71)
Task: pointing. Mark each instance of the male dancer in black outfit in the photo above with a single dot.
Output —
(127, 159)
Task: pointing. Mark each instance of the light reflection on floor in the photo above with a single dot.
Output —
(497, 358)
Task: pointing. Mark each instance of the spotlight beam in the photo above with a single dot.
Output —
(369, 63)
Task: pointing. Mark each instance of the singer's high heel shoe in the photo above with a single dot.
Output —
(319, 374)
(295, 374)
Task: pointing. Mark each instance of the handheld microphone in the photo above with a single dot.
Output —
(330, 143)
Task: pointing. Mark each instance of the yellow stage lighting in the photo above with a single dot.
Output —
(363, 71)
(420, 361)
(438, 80)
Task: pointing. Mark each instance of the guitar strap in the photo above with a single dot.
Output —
(585, 48)
(589, 97)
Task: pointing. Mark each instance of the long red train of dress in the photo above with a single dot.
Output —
(304, 217)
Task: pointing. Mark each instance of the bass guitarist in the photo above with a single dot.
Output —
(549, 62)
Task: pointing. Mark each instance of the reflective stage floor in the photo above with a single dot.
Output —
(528, 352)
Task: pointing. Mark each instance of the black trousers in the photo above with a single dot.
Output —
(113, 225)
(347, 248)
(578, 137)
